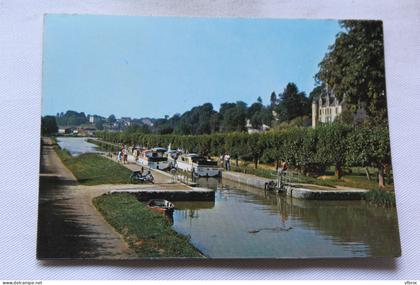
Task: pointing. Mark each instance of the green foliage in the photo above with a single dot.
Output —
(381, 198)
(369, 147)
(148, 233)
(233, 116)
(293, 103)
(354, 66)
(332, 145)
(304, 121)
(48, 125)
(71, 118)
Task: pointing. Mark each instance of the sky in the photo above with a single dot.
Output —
(156, 66)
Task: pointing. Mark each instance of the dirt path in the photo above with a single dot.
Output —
(68, 224)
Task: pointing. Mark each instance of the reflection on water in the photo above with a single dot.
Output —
(245, 222)
(76, 145)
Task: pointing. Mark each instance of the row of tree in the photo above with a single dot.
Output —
(231, 117)
(308, 150)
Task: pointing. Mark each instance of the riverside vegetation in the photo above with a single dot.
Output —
(148, 233)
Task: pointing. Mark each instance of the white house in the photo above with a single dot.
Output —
(326, 108)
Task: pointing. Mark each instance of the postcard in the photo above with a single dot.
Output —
(183, 137)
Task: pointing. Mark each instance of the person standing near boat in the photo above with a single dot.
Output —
(222, 161)
(124, 154)
(227, 162)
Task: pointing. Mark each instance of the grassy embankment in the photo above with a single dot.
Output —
(93, 169)
(149, 234)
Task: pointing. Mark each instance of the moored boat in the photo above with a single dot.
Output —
(198, 165)
(161, 206)
(153, 158)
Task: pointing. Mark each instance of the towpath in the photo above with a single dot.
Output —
(69, 226)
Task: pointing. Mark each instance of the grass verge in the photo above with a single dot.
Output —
(93, 169)
(380, 198)
(149, 234)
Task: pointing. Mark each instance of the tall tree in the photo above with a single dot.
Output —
(293, 103)
(354, 66)
(233, 116)
(273, 99)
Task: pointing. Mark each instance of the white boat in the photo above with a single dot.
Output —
(198, 165)
(153, 158)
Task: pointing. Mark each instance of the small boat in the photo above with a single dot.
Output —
(161, 206)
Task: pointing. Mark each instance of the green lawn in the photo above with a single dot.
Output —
(93, 169)
(149, 234)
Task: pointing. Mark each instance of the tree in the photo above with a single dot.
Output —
(233, 116)
(71, 118)
(253, 114)
(354, 67)
(332, 145)
(111, 119)
(370, 147)
(273, 100)
(196, 121)
(48, 125)
(292, 103)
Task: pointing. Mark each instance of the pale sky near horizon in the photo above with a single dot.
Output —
(155, 66)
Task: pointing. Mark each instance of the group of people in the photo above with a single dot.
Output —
(123, 154)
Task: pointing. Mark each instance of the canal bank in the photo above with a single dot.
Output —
(70, 226)
(300, 191)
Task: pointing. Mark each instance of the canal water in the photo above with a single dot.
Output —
(76, 145)
(245, 222)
